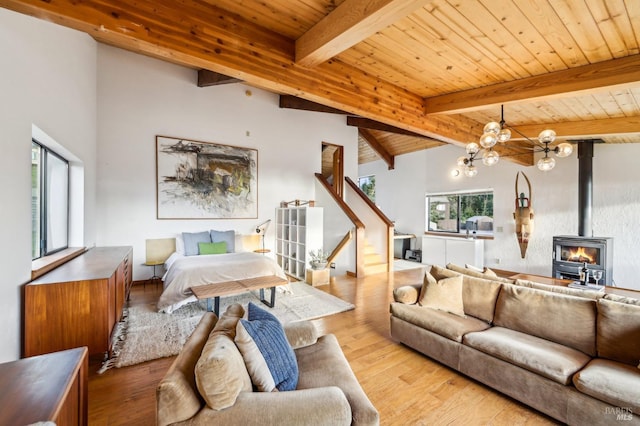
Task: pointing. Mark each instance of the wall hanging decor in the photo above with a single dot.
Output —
(204, 180)
(523, 216)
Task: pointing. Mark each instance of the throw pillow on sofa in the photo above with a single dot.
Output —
(267, 354)
(220, 371)
(488, 275)
(444, 295)
(618, 330)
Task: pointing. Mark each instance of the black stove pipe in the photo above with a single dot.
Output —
(585, 188)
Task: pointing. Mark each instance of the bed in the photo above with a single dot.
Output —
(184, 272)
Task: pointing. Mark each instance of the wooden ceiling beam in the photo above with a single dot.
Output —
(576, 129)
(365, 123)
(293, 102)
(202, 36)
(614, 74)
(208, 78)
(378, 148)
(349, 24)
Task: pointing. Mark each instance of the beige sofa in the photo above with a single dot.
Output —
(570, 354)
(208, 382)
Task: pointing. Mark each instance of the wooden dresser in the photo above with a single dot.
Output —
(50, 387)
(78, 303)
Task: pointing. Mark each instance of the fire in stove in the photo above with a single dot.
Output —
(580, 254)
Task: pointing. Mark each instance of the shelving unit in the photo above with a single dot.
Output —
(298, 230)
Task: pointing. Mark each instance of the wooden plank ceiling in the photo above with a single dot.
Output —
(440, 69)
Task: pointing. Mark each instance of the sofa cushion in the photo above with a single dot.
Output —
(220, 372)
(427, 280)
(444, 295)
(176, 395)
(269, 357)
(589, 294)
(548, 359)
(324, 365)
(407, 293)
(301, 333)
(478, 295)
(619, 331)
(451, 326)
(567, 320)
(473, 273)
(622, 299)
(612, 382)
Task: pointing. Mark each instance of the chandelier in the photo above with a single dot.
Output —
(495, 133)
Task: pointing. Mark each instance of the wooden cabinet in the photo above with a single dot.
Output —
(50, 387)
(78, 303)
(460, 251)
(298, 230)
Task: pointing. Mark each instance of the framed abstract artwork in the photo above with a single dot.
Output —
(204, 180)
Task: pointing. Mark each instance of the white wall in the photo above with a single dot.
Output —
(140, 97)
(48, 79)
(616, 201)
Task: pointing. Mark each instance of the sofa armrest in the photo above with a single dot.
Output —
(318, 406)
(301, 334)
(407, 294)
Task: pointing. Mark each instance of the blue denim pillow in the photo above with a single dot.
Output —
(191, 240)
(263, 331)
(228, 237)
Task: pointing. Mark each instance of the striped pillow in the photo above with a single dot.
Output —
(267, 354)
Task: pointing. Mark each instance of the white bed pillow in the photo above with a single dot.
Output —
(179, 244)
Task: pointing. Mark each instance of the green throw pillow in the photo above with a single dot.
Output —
(212, 248)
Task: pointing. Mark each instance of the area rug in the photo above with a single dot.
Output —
(402, 265)
(145, 334)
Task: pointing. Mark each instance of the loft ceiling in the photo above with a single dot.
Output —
(437, 68)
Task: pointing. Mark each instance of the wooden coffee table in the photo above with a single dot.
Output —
(227, 288)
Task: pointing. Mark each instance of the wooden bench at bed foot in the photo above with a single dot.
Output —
(227, 288)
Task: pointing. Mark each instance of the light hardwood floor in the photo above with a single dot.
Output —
(405, 386)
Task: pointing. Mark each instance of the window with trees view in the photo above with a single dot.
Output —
(460, 212)
(368, 185)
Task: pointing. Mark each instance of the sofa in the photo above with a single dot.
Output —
(569, 353)
(209, 381)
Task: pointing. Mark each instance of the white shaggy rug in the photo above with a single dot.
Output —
(145, 334)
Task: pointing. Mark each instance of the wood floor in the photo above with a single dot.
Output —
(405, 386)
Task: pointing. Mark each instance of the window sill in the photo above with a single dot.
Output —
(456, 235)
(41, 266)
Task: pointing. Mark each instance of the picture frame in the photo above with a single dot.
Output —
(205, 180)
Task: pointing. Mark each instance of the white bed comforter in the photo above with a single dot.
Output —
(184, 272)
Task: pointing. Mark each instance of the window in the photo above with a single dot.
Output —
(368, 185)
(461, 212)
(49, 201)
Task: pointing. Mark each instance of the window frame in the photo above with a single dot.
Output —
(368, 177)
(45, 202)
(459, 194)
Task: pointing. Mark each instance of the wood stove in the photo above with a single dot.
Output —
(570, 252)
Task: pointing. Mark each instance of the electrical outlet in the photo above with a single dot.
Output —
(499, 229)
(333, 265)
(498, 261)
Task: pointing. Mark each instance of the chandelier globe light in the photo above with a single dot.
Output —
(490, 158)
(498, 132)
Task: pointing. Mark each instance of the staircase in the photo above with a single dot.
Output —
(373, 262)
